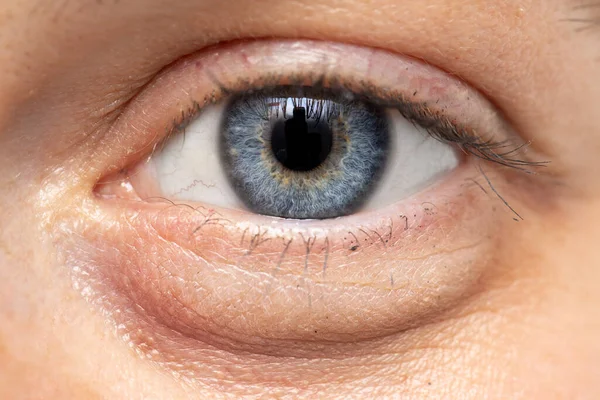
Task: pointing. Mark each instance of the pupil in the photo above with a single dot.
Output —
(301, 144)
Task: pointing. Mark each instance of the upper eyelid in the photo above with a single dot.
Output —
(193, 44)
(358, 89)
(506, 152)
(173, 97)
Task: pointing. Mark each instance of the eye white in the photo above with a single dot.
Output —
(189, 166)
(415, 161)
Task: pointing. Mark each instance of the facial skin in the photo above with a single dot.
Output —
(92, 303)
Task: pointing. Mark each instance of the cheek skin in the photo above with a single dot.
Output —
(174, 277)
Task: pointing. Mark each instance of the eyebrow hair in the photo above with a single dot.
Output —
(586, 23)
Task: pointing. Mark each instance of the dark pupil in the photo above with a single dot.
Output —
(301, 144)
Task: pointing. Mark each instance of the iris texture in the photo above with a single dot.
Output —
(303, 157)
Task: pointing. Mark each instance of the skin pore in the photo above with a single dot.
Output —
(106, 295)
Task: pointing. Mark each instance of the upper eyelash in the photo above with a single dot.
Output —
(437, 125)
(440, 127)
(502, 152)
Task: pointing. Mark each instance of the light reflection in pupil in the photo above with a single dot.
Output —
(301, 143)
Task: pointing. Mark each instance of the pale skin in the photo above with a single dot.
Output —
(526, 326)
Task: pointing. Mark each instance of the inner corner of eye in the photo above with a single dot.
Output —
(115, 185)
(298, 153)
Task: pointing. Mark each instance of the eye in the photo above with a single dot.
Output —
(311, 136)
(221, 141)
(365, 134)
(298, 152)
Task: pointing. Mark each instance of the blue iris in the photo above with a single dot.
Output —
(303, 157)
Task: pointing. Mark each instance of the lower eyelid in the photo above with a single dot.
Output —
(428, 261)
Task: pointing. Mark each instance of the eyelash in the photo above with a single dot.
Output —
(503, 152)
(469, 142)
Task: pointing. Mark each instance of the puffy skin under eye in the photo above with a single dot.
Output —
(311, 156)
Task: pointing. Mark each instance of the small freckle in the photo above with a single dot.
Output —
(429, 383)
(315, 331)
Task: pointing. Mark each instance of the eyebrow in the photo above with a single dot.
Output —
(589, 22)
(583, 23)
